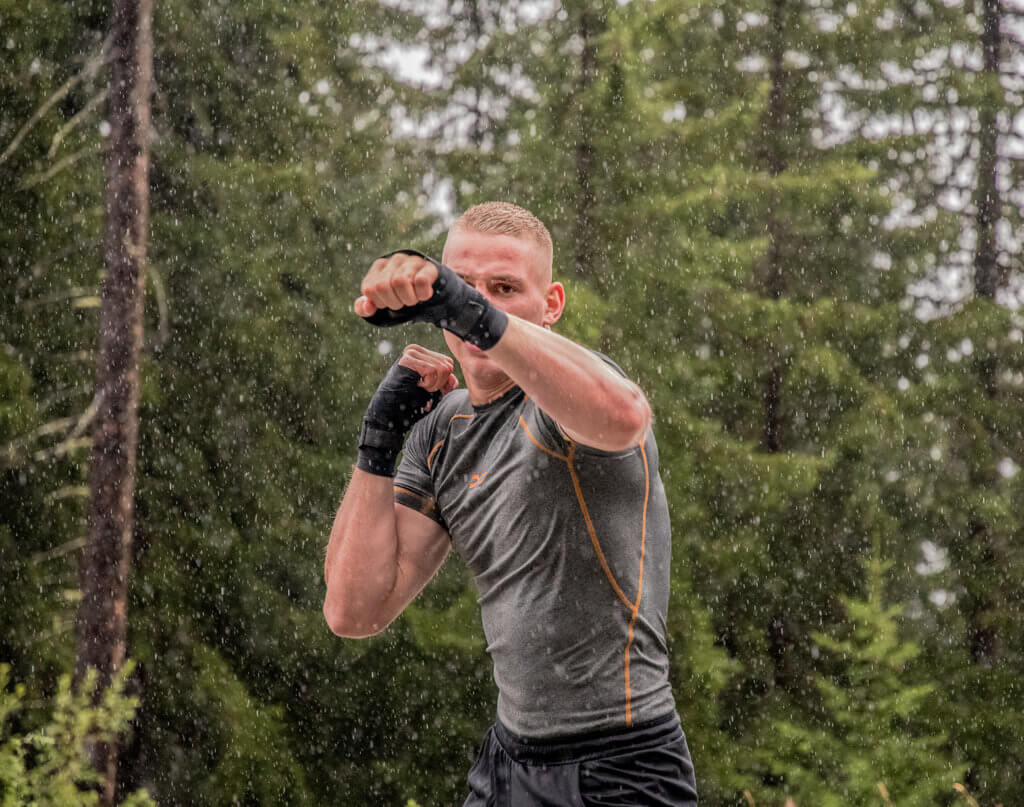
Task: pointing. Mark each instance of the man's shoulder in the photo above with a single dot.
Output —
(610, 362)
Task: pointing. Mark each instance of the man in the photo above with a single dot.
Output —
(543, 473)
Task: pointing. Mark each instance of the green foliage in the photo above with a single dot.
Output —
(50, 765)
(726, 250)
(868, 726)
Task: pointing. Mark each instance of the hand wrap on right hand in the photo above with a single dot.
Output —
(396, 405)
(455, 306)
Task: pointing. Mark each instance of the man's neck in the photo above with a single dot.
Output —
(481, 393)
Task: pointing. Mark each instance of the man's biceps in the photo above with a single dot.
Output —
(423, 545)
(417, 531)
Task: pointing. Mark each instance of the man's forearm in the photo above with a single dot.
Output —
(581, 392)
(361, 566)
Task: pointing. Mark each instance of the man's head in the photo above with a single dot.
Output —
(503, 218)
(505, 253)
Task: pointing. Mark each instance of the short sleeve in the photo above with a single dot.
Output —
(548, 433)
(414, 487)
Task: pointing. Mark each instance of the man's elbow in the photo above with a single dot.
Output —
(345, 623)
(633, 419)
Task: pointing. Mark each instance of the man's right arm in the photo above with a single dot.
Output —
(380, 556)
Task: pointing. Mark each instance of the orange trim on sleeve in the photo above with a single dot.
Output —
(414, 501)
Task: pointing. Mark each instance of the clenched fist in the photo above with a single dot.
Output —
(411, 389)
(435, 369)
(407, 286)
(397, 281)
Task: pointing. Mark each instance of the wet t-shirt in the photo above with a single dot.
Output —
(569, 547)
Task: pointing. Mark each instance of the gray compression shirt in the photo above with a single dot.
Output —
(569, 547)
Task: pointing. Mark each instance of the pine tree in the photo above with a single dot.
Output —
(963, 367)
(772, 313)
(51, 217)
(105, 565)
(867, 733)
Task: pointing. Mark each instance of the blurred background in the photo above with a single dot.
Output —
(795, 223)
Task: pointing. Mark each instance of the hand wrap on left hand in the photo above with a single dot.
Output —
(395, 407)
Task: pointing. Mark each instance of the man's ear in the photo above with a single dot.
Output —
(554, 304)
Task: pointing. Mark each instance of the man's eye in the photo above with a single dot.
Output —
(505, 288)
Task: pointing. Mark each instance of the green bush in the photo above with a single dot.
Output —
(50, 765)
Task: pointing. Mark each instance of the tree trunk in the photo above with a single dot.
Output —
(585, 257)
(104, 567)
(476, 21)
(989, 276)
(774, 281)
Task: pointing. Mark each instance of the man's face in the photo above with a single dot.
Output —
(513, 273)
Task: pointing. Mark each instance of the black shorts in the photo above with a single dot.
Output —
(647, 765)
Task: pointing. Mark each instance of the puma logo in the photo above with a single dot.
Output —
(477, 479)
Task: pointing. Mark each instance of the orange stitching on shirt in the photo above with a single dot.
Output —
(634, 607)
(451, 420)
(430, 456)
(534, 440)
(640, 582)
(590, 529)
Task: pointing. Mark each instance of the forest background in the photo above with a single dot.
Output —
(797, 224)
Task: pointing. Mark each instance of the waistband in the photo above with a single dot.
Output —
(581, 747)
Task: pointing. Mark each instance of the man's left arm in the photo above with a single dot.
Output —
(592, 403)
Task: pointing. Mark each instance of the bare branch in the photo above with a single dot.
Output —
(76, 119)
(68, 492)
(13, 448)
(60, 395)
(58, 551)
(42, 265)
(72, 293)
(63, 448)
(88, 71)
(164, 328)
(59, 166)
(76, 425)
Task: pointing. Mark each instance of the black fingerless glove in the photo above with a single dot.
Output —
(455, 306)
(396, 405)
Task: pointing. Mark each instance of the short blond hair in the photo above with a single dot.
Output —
(504, 218)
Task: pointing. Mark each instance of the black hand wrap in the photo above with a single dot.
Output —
(455, 306)
(396, 405)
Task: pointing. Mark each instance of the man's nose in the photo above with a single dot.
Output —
(481, 287)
